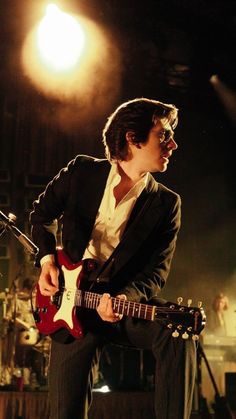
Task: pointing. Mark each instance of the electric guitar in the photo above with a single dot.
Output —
(60, 310)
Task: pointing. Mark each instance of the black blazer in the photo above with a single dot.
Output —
(140, 265)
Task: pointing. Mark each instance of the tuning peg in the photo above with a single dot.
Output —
(185, 335)
(195, 337)
(170, 326)
(180, 299)
(175, 334)
(199, 304)
(189, 302)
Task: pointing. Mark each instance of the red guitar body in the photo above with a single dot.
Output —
(59, 311)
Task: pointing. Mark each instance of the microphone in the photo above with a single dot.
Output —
(8, 220)
(8, 223)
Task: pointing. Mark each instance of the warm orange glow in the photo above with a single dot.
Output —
(63, 68)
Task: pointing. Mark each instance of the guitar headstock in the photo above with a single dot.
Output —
(185, 320)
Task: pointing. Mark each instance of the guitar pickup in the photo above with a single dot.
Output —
(57, 298)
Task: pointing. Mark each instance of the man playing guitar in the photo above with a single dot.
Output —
(116, 214)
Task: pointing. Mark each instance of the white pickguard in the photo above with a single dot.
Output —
(68, 298)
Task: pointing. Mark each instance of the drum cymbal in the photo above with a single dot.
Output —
(4, 295)
(22, 323)
(22, 295)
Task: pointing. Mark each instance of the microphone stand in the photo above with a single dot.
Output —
(9, 225)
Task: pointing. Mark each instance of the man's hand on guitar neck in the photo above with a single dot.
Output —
(48, 280)
(106, 311)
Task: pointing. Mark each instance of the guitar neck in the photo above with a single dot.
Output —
(128, 308)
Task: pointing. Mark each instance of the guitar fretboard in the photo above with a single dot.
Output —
(128, 308)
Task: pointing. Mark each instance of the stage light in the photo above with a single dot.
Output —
(74, 61)
(60, 39)
(214, 79)
(71, 57)
(103, 389)
(226, 95)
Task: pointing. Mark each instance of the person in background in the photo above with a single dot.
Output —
(215, 343)
(115, 212)
(216, 323)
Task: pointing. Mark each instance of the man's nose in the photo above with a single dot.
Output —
(172, 145)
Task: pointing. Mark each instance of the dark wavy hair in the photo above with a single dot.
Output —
(139, 116)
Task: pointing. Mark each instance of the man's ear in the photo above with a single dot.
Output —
(130, 137)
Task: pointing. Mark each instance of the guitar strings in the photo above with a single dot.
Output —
(92, 299)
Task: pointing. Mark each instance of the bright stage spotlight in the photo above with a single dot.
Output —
(60, 39)
(70, 57)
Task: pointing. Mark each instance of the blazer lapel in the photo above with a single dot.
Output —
(90, 193)
(141, 222)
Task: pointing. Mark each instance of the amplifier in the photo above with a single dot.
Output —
(230, 389)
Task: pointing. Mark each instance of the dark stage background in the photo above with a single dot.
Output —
(167, 50)
(158, 49)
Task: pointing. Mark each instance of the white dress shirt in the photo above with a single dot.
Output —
(111, 219)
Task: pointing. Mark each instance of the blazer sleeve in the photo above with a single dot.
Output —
(48, 209)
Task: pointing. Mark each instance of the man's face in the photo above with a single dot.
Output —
(158, 148)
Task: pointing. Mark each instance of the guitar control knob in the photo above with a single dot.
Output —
(189, 302)
(175, 334)
(195, 337)
(185, 335)
(180, 299)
